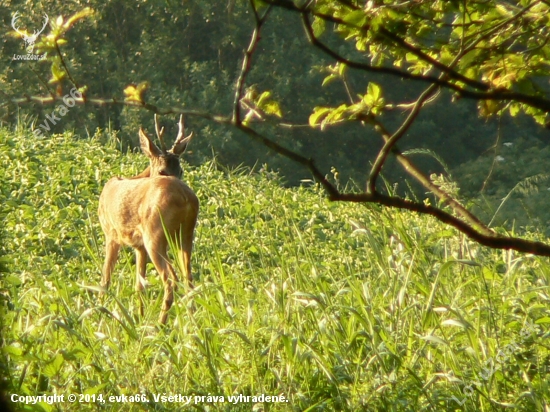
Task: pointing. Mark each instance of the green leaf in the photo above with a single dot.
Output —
(12, 350)
(273, 108)
(342, 68)
(318, 26)
(79, 351)
(488, 274)
(411, 58)
(13, 280)
(77, 16)
(317, 115)
(455, 322)
(238, 333)
(263, 98)
(434, 339)
(136, 93)
(336, 114)
(53, 368)
(329, 79)
(95, 389)
(514, 109)
(268, 105)
(374, 90)
(58, 73)
(356, 18)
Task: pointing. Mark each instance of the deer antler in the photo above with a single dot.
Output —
(181, 133)
(47, 19)
(14, 22)
(160, 133)
(181, 140)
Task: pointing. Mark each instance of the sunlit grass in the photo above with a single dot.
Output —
(335, 306)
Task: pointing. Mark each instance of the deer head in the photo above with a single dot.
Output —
(29, 40)
(164, 162)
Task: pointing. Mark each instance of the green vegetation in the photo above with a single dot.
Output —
(190, 54)
(465, 82)
(336, 306)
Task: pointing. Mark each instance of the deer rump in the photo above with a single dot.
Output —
(135, 212)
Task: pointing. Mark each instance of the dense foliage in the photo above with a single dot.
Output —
(337, 307)
(190, 55)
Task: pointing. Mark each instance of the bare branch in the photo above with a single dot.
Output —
(489, 239)
(429, 185)
(246, 66)
(390, 142)
(492, 241)
(103, 102)
(60, 55)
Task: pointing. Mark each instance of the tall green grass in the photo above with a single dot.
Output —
(335, 306)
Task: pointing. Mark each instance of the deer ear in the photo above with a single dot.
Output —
(147, 146)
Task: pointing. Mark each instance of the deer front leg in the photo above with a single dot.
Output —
(111, 255)
(141, 264)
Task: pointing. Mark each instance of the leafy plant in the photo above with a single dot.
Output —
(335, 307)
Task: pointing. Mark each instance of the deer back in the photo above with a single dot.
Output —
(130, 209)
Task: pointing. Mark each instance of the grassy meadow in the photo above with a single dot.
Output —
(337, 307)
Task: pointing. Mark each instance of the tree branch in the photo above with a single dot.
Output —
(304, 10)
(391, 141)
(501, 94)
(246, 66)
(489, 239)
(60, 55)
(438, 65)
(367, 67)
(425, 181)
(492, 241)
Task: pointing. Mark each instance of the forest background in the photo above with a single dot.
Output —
(188, 54)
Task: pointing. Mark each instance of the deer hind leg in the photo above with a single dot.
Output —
(141, 264)
(111, 255)
(158, 254)
(186, 248)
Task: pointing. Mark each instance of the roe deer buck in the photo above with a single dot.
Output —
(138, 211)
